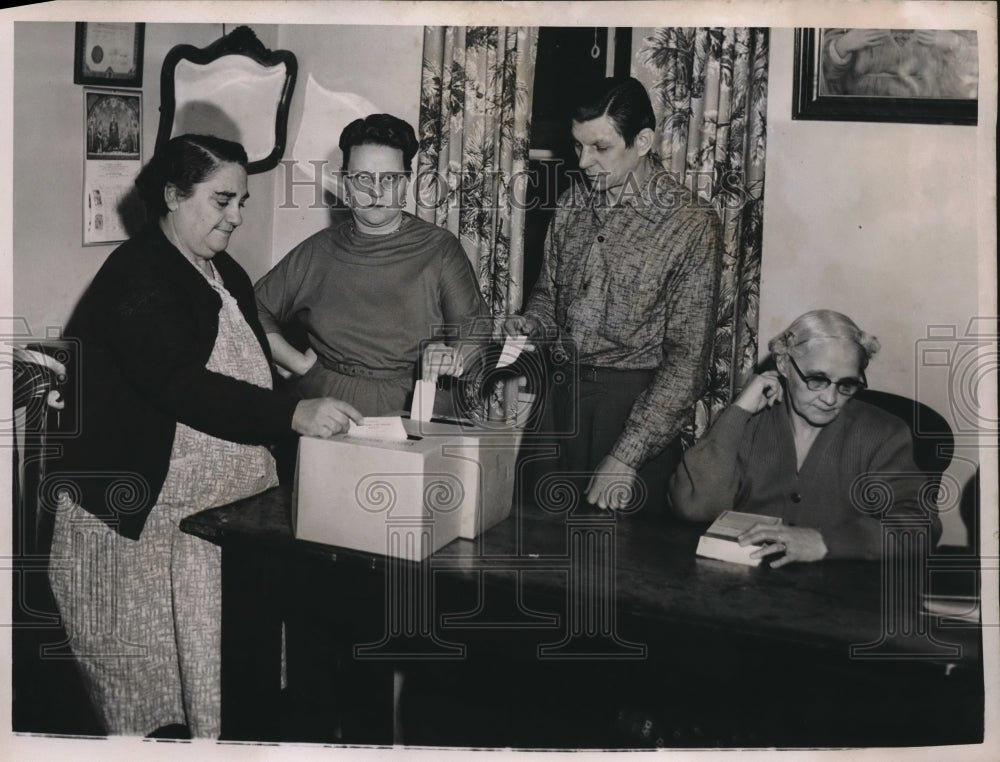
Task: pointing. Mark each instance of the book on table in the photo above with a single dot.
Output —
(720, 540)
(955, 593)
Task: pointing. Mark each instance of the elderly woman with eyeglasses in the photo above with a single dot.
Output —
(793, 444)
(375, 288)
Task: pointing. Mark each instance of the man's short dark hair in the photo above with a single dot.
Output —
(380, 130)
(624, 101)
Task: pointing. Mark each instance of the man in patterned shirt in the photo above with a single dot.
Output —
(629, 279)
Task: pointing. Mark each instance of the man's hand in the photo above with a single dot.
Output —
(613, 485)
(521, 325)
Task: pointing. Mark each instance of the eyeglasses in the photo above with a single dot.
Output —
(818, 383)
(367, 181)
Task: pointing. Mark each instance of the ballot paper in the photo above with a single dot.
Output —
(512, 349)
(423, 400)
(382, 429)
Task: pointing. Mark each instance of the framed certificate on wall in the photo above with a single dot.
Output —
(108, 54)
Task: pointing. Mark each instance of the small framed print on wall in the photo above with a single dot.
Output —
(108, 54)
(928, 76)
(113, 130)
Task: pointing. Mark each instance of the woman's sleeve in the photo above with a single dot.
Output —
(710, 474)
(279, 292)
(461, 302)
(154, 340)
(890, 477)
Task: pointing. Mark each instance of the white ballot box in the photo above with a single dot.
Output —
(484, 460)
(404, 498)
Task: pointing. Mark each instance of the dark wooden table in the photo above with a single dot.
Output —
(831, 651)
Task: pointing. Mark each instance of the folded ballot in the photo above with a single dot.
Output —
(720, 540)
(381, 429)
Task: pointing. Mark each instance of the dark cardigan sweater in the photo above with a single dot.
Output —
(147, 326)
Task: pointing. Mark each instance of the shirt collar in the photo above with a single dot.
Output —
(659, 188)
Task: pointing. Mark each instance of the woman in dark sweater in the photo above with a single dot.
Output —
(176, 407)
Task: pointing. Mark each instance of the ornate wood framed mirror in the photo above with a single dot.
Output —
(235, 89)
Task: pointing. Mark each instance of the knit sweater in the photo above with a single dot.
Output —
(373, 300)
(859, 470)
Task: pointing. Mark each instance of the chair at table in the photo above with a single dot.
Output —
(48, 694)
(38, 379)
(933, 442)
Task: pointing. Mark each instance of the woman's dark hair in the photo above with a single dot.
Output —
(624, 101)
(184, 162)
(380, 130)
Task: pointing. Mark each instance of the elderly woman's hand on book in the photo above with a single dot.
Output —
(797, 543)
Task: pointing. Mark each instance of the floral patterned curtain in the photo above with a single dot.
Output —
(709, 91)
(475, 114)
(475, 127)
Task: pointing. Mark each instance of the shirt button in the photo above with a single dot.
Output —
(600, 239)
(796, 497)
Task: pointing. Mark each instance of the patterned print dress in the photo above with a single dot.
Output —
(143, 617)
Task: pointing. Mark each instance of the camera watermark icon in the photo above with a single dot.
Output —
(962, 367)
(503, 388)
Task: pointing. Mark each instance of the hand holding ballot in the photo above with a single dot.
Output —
(441, 360)
(521, 325)
(324, 417)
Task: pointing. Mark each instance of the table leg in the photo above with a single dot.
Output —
(251, 646)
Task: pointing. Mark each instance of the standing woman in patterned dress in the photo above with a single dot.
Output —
(176, 407)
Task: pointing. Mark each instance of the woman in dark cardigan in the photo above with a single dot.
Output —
(176, 406)
(796, 445)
